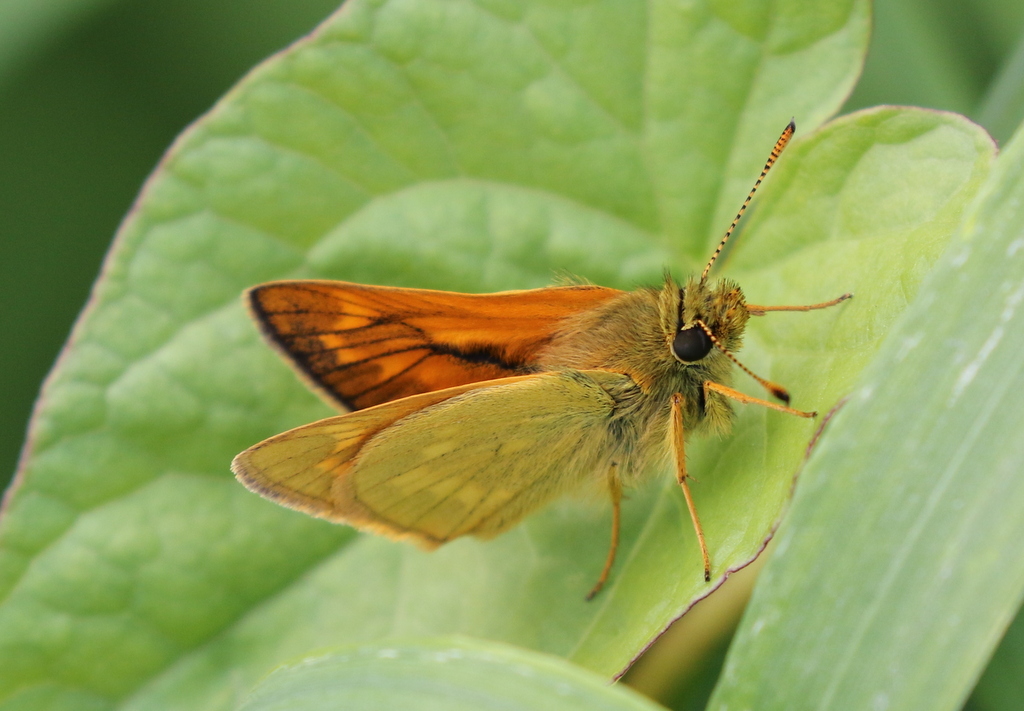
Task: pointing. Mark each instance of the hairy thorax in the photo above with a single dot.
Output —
(633, 335)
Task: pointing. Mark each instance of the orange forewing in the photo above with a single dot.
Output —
(366, 345)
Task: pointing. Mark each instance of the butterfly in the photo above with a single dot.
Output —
(467, 412)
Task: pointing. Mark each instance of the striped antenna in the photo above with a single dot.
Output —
(779, 145)
(774, 388)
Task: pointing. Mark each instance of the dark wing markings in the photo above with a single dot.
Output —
(386, 381)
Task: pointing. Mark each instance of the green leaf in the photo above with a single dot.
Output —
(446, 675)
(907, 518)
(468, 146)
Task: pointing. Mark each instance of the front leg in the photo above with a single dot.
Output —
(762, 310)
(678, 444)
(736, 395)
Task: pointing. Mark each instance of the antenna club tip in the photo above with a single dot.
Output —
(791, 127)
(780, 392)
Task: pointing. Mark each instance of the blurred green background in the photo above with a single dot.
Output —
(93, 91)
(91, 94)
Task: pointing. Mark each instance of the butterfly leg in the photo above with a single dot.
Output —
(749, 400)
(615, 490)
(762, 310)
(679, 454)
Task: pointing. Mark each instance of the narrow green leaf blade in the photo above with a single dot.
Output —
(900, 564)
(1001, 110)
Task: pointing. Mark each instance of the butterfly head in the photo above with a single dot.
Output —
(706, 316)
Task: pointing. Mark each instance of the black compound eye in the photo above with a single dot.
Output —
(691, 344)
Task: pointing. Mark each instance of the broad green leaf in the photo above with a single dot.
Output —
(83, 120)
(900, 564)
(459, 145)
(442, 675)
